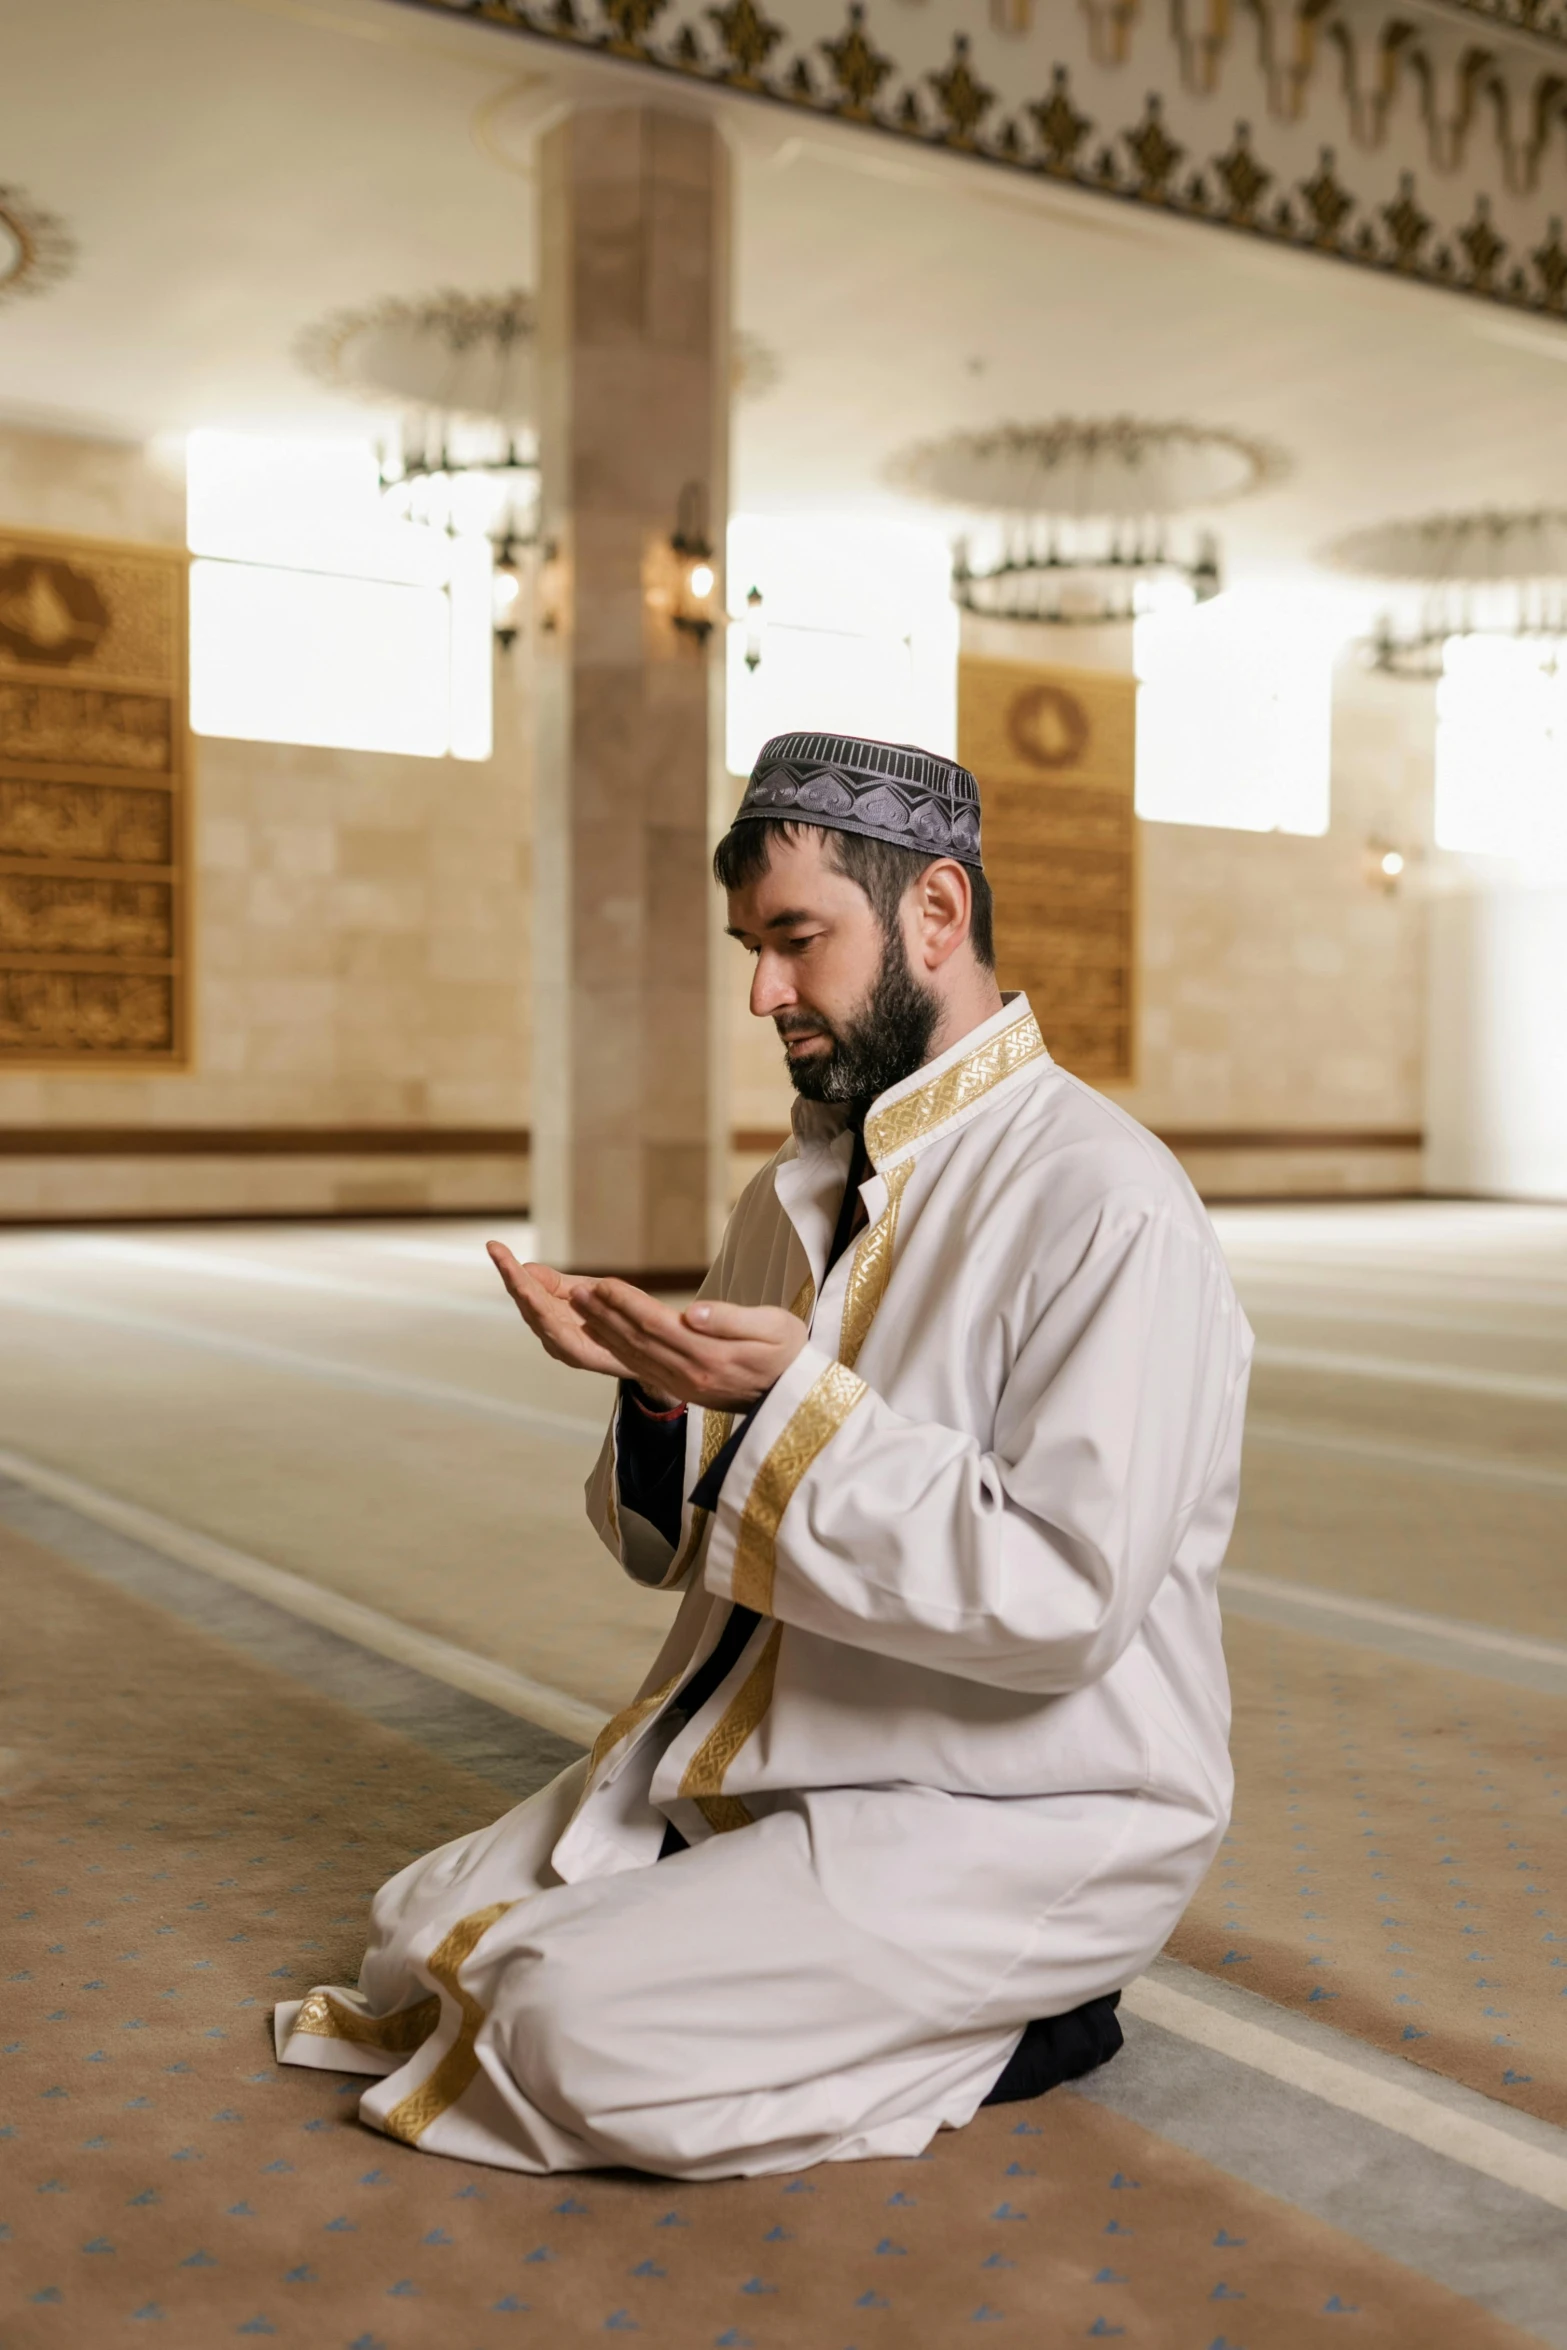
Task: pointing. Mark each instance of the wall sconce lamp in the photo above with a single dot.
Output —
(1385, 866)
(695, 575)
(753, 629)
(506, 593)
(551, 588)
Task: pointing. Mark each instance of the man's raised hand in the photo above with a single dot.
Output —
(716, 1355)
(543, 1298)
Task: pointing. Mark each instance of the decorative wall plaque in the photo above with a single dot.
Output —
(94, 770)
(1054, 752)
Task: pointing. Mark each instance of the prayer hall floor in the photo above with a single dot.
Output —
(293, 1588)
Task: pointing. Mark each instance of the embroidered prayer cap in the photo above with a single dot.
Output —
(888, 791)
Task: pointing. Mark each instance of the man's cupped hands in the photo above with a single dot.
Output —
(719, 1356)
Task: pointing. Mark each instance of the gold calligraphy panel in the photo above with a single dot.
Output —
(1054, 751)
(94, 778)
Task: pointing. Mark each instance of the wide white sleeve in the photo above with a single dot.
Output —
(645, 1553)
(1028, 1565)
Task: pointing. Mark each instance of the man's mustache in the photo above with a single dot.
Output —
(802, 1024)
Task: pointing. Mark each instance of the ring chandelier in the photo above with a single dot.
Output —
(36, 249)
(1080, 515)
(1486, 574)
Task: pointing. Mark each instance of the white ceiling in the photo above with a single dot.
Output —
(232, 170)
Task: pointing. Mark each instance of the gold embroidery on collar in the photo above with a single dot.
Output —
(704, 1773)
(455, 2072)
(814, 1423)
(920, 1113)
(326, 2016)
(872, 1268)
(801, 1307)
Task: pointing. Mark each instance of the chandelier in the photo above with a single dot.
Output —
(1079, 516)
(1083, 575)
(1459, 575)
(36, 249)
(463, 456)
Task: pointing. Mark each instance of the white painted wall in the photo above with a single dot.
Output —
(1496, 1042)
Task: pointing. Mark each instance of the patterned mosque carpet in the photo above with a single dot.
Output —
(185, 1834)
(1396, 1863)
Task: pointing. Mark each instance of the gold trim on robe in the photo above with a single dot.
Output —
(814, 1423)
(871, 1269)
(621, 1725)
(715, 1435)
(704, 1774)
(452, 2077)
(958, 1088)
(327, 2017)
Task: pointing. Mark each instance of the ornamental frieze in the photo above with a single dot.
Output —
(1429, 141)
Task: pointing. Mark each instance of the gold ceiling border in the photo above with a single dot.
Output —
(1379, 62)
(739, 47)
(43, 248)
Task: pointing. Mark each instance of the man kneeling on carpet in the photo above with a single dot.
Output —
(943, 1463)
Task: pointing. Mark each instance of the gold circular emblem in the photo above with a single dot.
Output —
(1048, 726)
(51, 614)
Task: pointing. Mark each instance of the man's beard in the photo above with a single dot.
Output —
(878, 1045)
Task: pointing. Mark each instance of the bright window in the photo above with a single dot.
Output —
(319, 617)
(1234, 713)
(1501, 749)
(856, 633)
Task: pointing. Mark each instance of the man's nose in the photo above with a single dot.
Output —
(771, 990)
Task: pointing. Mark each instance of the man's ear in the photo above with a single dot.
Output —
(945, 908)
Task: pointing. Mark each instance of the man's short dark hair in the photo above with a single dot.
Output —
(882, 871)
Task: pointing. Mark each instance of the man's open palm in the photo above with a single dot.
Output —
(713, 1354)
(543, 1298)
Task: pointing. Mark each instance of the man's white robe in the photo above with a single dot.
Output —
(972, 1762)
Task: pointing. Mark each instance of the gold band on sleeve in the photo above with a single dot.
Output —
(813, 1425)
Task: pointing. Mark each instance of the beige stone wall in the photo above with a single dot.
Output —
(99, 489)
(362, 956)
(1279, 990)
(360, 948)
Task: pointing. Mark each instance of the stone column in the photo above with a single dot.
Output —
(628, 1110)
